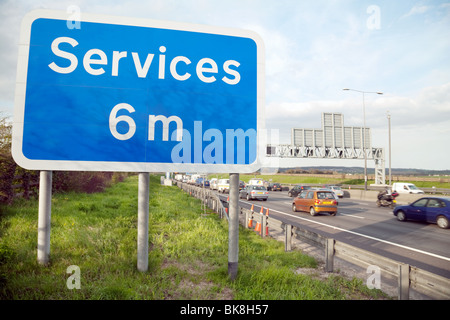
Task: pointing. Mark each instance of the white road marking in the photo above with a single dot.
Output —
(350, 215)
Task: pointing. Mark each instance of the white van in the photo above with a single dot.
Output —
(404, 187)
(223, 185)
(213, 183)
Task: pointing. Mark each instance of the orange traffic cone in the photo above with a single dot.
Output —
(250, 221)
(258, 227)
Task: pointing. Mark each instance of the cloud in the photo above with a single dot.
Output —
(428, 111)
(431, 106)
(416, 10)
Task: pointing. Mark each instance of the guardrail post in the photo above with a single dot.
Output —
(329, 255)
(288, 237)
(403, 281)
(263, 225)
(247, 214)
(216, 205)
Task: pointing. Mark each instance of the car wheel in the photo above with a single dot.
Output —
(248, 197)
(333, 213)
(289, 194)
(442, 222)
(401, 216)
(312, 211)
(294, 208)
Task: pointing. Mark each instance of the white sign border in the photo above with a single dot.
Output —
(58, 165)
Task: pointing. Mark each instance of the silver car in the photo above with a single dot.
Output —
(251, 192)
(337, 191)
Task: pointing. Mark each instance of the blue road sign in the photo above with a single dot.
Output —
(119, 94)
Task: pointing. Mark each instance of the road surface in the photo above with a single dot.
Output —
(364, 225)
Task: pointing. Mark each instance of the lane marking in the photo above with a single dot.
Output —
(351, 215)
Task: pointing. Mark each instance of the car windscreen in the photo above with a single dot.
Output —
(259, 188)
(325, 195)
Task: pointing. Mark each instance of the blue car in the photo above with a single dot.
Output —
(427, 209)
(200, 182)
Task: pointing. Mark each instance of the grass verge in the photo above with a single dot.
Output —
(188, 253)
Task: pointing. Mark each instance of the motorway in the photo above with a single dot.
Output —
(364, 225)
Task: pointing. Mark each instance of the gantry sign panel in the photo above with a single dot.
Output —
(332, 141)
(333, 134)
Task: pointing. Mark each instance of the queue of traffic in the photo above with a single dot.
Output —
(315, 200)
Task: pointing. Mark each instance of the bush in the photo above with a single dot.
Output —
(81, 181)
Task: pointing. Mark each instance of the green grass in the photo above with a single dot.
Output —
(188, 253)
(431, 184)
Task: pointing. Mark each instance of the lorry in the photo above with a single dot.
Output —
(405, 187)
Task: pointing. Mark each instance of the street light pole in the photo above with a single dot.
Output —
(364, 142)
(364, 132)
(389, 129)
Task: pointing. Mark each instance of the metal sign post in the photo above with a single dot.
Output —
(45, 209)
(233, 226)
(143, 212)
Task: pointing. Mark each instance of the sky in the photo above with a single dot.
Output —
(313, 50)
